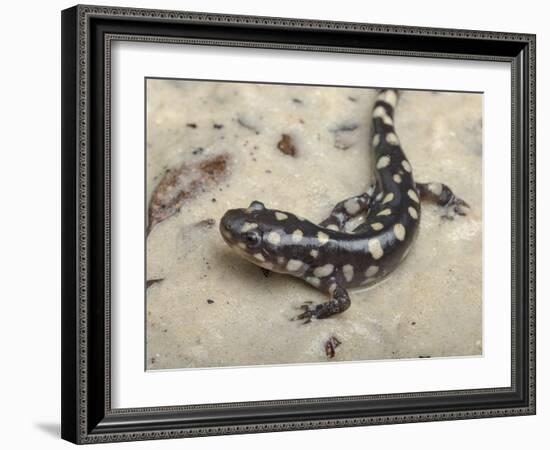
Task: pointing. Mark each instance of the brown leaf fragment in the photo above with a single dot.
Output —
(182, 184)
(213, 168)
(286, 145)
(330, 346)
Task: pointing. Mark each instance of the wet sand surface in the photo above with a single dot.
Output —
(213, 309)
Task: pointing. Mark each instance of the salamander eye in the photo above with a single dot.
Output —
(256, 206)
(252, 239)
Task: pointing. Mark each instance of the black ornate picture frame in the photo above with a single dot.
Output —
(87, 412)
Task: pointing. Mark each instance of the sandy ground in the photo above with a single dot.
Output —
(214, 309)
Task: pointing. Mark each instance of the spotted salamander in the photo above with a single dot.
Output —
(330, 256)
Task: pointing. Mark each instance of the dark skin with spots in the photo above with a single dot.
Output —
(330, 256)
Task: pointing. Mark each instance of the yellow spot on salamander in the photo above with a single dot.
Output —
(379, 111)
(399, 231)
(413, 196)
(371, 271)
(389, 96)
(322, 238)
(274, 238)
(247, 226)
(387, 120)
(348, 272)
(413, 213)
(384, 161)
(323, 271)
(314, 281)
(375, 248)
(294, 265)
(259, 257)
(388, 198)
(391, 138)
(297, 235)
(435, 188)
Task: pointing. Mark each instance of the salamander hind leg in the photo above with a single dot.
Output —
(443, 196)
(346, 210)
(339, 302)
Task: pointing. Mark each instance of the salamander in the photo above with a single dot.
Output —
(329, 256)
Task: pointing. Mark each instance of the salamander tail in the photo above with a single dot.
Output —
(382, 113)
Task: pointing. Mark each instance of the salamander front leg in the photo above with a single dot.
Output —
(442, 195)
(346, 210)
(339, 302)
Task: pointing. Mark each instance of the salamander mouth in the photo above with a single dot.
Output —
(227, 236)
(225, 230)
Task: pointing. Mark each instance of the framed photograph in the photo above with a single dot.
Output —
(281, 224)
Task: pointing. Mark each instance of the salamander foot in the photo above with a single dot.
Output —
(309, 313)
(442, 195)
(338, 303)
(455, 206)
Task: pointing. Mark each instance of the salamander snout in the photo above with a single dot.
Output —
(231, 223)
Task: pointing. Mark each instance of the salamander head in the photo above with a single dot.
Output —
(259, 235)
